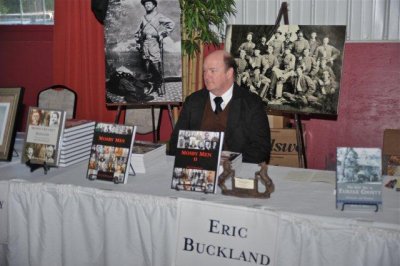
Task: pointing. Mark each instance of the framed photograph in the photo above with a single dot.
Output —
(143, 52)
(294, 69)
(10, 100)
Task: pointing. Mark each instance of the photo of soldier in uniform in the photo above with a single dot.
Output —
(143, 51)
(293, 68)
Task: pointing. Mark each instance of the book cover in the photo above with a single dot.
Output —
(145, 147)
(110, 153)
(43, 136)
(196, 166)
(358, 176)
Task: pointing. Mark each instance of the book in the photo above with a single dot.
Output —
(73, 126)
(110, 153)
(43, 136)
(196, 165)
(145, 154)
(358, 177)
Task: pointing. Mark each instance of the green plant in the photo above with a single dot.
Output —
(199, 17)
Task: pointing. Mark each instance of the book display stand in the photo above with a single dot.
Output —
(246, 187)
(35, 164)
(359, 204)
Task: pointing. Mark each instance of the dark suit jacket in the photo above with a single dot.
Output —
(247, 128)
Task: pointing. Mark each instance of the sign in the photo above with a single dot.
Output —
(217, 234)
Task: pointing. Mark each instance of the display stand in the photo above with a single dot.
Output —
(366, 203)
(35, 164)
(283, 11)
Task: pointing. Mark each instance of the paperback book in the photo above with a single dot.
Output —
(358, 177)
(43, 136)
(110, 153)
(76, 141)
(196, 166)
(146, 154)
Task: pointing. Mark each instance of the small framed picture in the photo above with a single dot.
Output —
(10, 100)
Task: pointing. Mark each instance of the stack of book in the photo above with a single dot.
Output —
(76, 141)
(146, 154)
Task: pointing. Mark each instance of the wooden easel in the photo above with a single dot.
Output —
(283, 11)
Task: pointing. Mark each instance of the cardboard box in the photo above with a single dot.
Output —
(278, 121)
(284, 160)
(284, 141)
(391, 152)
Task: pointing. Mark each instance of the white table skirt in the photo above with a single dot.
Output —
(57, 224)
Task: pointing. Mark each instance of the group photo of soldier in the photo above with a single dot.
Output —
(198, 140)
(143, 51)
(292, 67)
(193, 180)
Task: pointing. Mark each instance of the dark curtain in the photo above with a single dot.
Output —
(79, 60)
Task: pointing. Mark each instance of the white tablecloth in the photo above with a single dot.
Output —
(64, 219)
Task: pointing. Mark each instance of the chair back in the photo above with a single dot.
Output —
(142, 119)
(58, 97)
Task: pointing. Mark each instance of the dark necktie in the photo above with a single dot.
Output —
(218, 101)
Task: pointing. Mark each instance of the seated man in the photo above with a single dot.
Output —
(242, 118)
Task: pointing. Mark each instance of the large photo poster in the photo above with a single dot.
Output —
(143, 51)
(295, 68)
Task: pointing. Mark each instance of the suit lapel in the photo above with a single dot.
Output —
(198, 110)
(234, 112)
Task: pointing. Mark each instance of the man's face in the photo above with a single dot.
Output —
(326, 40)
(249, 37)
(149, 6)
(217, 78)
(49, 151)
(54, 118)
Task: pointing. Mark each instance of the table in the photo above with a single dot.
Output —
(64, 219)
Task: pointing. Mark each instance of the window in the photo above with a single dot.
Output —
(27, 12)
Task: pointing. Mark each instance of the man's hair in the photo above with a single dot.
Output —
(153, 1)
(229, 62)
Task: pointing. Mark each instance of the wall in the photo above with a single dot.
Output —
(369, 102)
(369, 99)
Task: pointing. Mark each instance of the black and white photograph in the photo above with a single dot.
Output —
(143, 51)
(294, 69)
(358, 165)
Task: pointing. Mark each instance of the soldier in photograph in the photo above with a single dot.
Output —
(309, 64)
(300, 45)
(314, 43)
(327, 52)
(153, 28)
(277, 44)
(249, 45)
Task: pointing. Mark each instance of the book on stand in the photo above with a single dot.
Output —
(76, 141)
(146, 154)
(196, 166)
(43, 136)
(358, 178)
(110, 153)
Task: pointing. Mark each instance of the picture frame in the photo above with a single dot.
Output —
(10, 102)
(292, 68)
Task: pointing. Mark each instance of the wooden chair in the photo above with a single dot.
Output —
(58, 97)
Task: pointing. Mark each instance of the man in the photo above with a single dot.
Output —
(152, 30)
(327, 52)
(54, 119)
(249, 45)
(300, 45)
(277, 44)
(242, 118)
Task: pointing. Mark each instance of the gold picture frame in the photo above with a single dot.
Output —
(10, 101)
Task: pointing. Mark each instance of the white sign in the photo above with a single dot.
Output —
(217, 234)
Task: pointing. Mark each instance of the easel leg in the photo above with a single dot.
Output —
(117, 115)
(300, 142)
